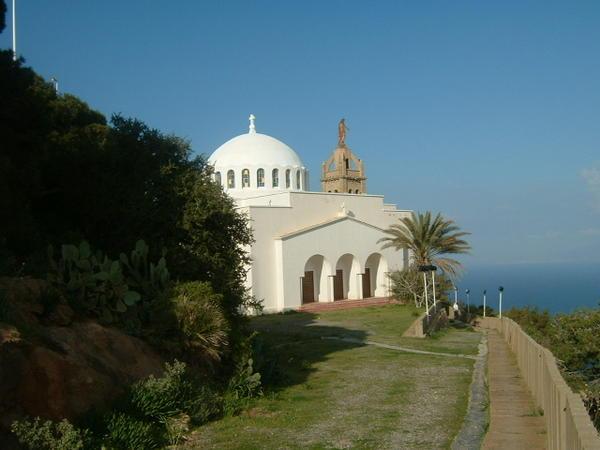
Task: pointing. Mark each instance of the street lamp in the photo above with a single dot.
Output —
(433, 269)
(455, 295)
(484, 295)
(468, 292)
(500, 291)
(14, 30)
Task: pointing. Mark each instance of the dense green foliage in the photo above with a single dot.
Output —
(155, 412)
(89, 190)
(428, 239)
(106, 289)
(203, 327)
(48, 435)
(67, 175)
(574, 339)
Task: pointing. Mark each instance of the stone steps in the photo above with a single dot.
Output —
(345, 304)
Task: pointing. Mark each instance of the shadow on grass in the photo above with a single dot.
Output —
(288, 346)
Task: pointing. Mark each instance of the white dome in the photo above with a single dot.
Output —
(253, 165)
(254, 150)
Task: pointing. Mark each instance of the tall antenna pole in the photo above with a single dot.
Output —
(14, 28)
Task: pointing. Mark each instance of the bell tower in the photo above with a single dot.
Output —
(343, 172)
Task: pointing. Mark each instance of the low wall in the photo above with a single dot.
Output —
(568, 424)
(423, 326)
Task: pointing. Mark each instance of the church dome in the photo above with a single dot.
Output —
(254, 164)
(254, 149)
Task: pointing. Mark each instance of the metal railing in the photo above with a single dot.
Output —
(568, 424)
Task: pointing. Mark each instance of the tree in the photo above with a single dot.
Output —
(67, 175)
(407, 285)
(428, 239)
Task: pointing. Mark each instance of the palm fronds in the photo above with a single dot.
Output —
(428, 239)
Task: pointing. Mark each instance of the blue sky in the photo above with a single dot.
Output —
(486, 111)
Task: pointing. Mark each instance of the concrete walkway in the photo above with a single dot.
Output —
(397, 347)
(515, 422)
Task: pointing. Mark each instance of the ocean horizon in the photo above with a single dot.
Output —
(557, 287)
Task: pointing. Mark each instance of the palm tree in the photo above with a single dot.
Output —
(428, 240)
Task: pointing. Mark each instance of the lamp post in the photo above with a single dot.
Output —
(468, 292)
(14, 29)
(433, 269)
(484, 295)
(455, 295)
(500, 291)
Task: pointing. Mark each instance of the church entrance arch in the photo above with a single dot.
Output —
(376, 270)
(345, 283)
(314, 282)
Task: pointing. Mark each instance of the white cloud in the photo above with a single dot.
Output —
(592, 179)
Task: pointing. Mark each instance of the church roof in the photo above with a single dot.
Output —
(254, 150)
(324, 224)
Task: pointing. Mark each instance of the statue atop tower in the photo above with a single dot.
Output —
(342, 133)
(343, 172)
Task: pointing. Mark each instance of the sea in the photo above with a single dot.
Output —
(557, 287)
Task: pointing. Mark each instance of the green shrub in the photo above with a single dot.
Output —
(200, 320)
(266, 361)
(243, 386)
(125, 432)
(591, 399)
(534, 322)
(575, 341)
(176, 392)
(164, 396)
(48, 435)
(103, 287)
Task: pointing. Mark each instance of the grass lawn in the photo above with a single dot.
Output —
(334, 394)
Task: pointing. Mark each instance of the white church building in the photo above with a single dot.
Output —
(309, 246)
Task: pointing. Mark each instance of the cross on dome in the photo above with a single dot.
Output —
(252, 129)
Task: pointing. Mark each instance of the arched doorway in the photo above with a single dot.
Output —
(314, 282)
(345, 281)
(375, 283)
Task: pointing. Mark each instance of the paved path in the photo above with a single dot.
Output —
(397, 347)
(515, 422)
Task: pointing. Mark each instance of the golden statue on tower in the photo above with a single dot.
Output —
(342, 128)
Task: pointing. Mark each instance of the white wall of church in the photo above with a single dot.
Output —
(279, 261)
(346, 245)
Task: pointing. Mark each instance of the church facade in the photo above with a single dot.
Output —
(309, 246)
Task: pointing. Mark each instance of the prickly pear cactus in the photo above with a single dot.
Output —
(103, 287)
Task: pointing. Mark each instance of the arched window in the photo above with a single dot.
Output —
(288, 181)
(260, 177)
(349, 191)
(297, 179)
(356, 191)
(218, 178)
(275, 176)
(230, 179)
(335, 190)
(245, 178)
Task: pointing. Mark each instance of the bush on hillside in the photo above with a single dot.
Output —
(130, 433)
(175, 393)
(37, 435)
(67, 175)
(574, 339)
